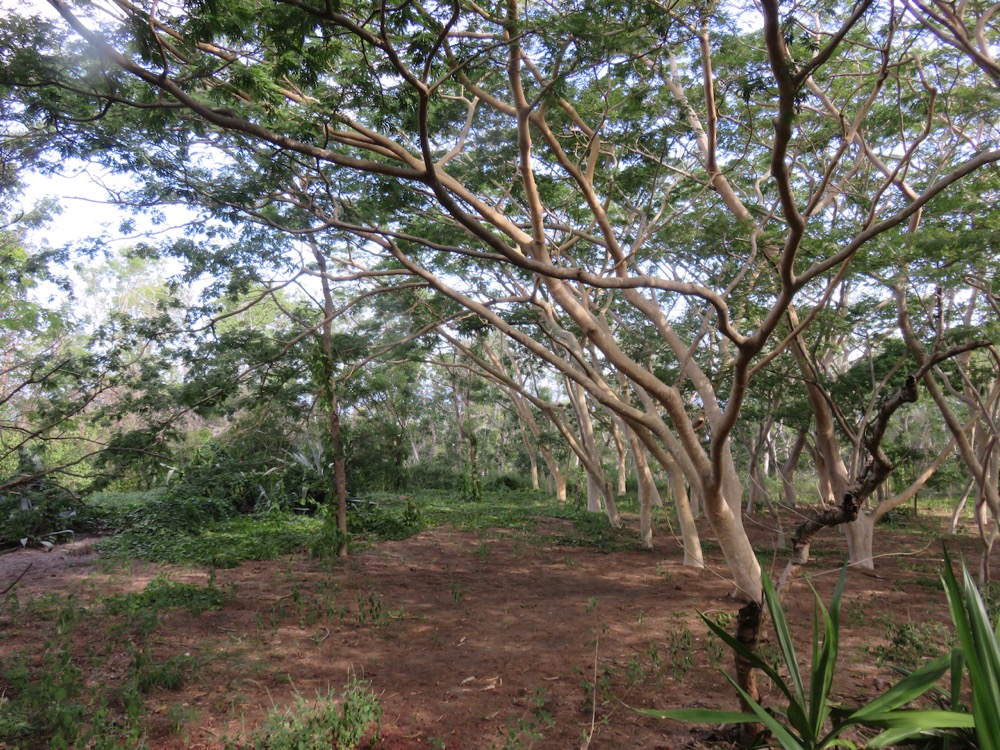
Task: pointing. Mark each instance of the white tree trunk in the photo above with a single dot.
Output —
(693, 557)
(555, 472)
(860, 537)
(595, 494)
(648, 494)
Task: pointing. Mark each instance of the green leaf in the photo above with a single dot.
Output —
(785, 643)
(781, 733)
(700, 715)
(749, 655)
(910, 687)
(982, 655)
(824, 663)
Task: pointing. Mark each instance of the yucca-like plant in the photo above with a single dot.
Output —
(810, 720)
(978, 645)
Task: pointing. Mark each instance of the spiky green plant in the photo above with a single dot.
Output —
(810, 720)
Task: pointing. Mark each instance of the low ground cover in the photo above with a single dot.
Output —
(508, 624)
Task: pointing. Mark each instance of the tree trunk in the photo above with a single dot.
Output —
(620, 453)
(595, 493)
(786, 469)
(555, 472)
(693, 556)
(329, 390)
(596, 484)
(957, 513)
(647, 488)
(614, 517)
(860, 536)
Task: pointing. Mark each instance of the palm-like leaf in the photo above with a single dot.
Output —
(807, 725)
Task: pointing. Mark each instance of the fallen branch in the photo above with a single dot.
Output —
(16, 580)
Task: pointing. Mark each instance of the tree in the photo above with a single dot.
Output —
(582, 166)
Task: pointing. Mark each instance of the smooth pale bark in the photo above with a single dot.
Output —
(960, 506)
(786, 469)
(621, 453)
(557, 475)
(859, 535)
(649, 495)
(614, 517)
(527, 420)
(693, 557)
(598, 493)
(739, 553)
(830, 464)
(529, 436)
(595, 494)
(759, 454)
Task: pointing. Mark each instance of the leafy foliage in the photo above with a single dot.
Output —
(811, 720)
(162, 593)
(977, 639)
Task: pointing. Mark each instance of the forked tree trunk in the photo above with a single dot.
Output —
(598, 493)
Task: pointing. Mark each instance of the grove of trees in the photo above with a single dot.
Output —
(732, 255)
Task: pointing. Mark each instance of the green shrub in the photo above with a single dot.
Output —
(223, 544)
(378, 521)
(502, 482)
(433, 475)
(163, 593)
(38, 506)
(170, 512)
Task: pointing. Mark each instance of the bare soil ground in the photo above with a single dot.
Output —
(478, 640)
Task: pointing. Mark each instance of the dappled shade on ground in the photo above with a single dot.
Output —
(472, 640)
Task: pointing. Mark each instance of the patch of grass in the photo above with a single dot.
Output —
(163, 593)
(48, 701)
(219, 544)
(507, 510)
(593, 530)
(148, 675)
(330, 721)
(677, 644)
(909, 642)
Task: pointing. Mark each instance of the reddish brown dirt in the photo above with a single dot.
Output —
(471, 640)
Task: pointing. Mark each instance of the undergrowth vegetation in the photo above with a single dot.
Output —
(66, 696)
(161, 527)
(330, 721)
